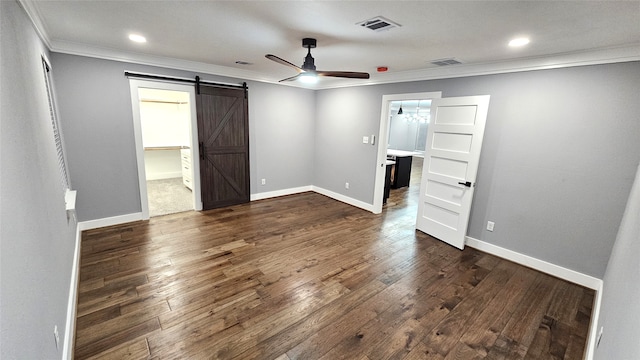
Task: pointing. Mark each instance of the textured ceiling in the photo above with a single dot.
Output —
(212, 35)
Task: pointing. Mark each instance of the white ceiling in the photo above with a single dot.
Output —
(210, 36)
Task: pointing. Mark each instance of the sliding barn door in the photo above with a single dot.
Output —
(223, 135)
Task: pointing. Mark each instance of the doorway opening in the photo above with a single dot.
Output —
(408, 125)
(164, 124)
(408, 128)
(164, 118)
(403, 136)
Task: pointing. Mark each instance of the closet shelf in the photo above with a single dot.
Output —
(166, 148)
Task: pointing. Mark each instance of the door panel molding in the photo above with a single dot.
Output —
(449, 173)
(225, 119)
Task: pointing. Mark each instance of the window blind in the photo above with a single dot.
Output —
(64, 178)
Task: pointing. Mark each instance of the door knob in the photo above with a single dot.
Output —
(466, 183)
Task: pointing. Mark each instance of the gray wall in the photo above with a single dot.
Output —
(36, 242)
(282, 136)
(402, 133)
(555, 142)
(557, 166)
(343, 117)
(95, 103)
(557, 163)
(620, 309)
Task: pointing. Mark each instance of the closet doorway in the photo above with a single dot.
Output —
(164, 123)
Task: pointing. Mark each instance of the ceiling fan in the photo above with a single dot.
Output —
(308, 70)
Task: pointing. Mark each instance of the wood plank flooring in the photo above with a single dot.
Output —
(308, 277)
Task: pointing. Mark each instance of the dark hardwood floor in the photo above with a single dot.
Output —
(308, 277)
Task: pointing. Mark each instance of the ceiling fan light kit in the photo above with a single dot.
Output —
(308, 77)
(308, 73)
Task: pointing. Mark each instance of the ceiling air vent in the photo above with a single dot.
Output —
(445, 62)
(378, 23)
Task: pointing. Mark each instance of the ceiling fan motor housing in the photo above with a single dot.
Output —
(309, 63)
(309, 43)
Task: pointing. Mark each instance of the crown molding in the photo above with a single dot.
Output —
(617, 54)
(36, 20)
(623, 53)
(152, 60)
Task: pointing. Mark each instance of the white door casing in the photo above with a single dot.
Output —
(134, 85)
(454, 141)
(383, 140)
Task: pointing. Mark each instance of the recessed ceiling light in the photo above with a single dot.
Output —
(518, 42)
(137, 38)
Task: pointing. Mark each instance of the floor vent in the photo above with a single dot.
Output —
(379, 24)
(445, 62)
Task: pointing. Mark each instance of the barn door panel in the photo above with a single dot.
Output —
(223, 135)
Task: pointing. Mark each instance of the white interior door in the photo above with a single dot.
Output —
(450, 165)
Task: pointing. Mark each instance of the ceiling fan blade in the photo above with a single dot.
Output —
(344, 74)
(283, 62)
(291, 78)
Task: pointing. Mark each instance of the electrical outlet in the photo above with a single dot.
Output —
(264, 181)
(346, 185)
(56, 336)
(490, 225)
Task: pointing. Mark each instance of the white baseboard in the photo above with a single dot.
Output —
(522, 259)
(164, 175)
(67, 352)
(121, 219)
(557, 271)
(319, 190)
(114, 220)
(345, 199)
(537, 264)
(272, 194)
(70, 327)
(593, 326)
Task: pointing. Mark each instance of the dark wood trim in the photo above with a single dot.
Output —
(197, 80)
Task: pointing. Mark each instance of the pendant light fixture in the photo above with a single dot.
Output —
(419, 118)
(400, 110)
